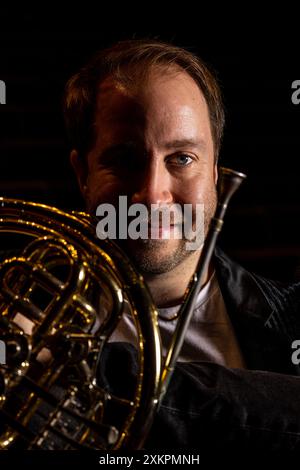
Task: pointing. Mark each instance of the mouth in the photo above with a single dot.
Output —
(160, 232)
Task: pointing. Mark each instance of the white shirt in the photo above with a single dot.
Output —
(210, 335)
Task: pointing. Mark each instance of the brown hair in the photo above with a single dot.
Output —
(122, 62)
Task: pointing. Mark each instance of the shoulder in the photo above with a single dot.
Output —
(271, 299)
(235, 272)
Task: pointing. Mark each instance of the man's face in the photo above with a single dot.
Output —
(154, 145)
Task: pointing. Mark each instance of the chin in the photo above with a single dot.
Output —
(156, 256)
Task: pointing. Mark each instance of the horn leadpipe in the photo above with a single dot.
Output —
(229, 182)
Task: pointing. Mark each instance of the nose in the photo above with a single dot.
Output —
(154, 186)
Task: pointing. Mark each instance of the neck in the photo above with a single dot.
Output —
(168, 289)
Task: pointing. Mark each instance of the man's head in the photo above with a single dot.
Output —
(145, 120)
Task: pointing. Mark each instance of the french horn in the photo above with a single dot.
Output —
(63, 293)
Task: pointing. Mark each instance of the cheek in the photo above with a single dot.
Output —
(198, 190)
(103, 187)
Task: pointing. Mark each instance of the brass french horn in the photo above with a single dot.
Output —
(62, 296)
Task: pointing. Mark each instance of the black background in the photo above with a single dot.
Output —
(256, 64)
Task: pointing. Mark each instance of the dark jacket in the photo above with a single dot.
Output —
(210, 407)
(265, 315)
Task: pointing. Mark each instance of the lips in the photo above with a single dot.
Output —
(159, 231)
(160, 226)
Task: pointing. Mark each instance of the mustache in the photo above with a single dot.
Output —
(163, 215)
(152, 215)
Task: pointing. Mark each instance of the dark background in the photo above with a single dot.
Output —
(39, 51)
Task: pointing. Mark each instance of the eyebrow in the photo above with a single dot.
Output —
(179, 143)
(171, 145)
(110, 151)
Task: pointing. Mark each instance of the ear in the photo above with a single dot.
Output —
(216, 174)
(80, 167)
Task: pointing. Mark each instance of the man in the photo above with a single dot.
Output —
(145, 120)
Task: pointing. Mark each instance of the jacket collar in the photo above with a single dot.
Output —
(239, 288)
(250, 310)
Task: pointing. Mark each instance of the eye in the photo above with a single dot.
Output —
(124, 161)
(180, 159)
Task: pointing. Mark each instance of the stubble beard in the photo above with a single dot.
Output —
(161, 256)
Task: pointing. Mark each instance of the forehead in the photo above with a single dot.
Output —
(165, 101)
(166, 84)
